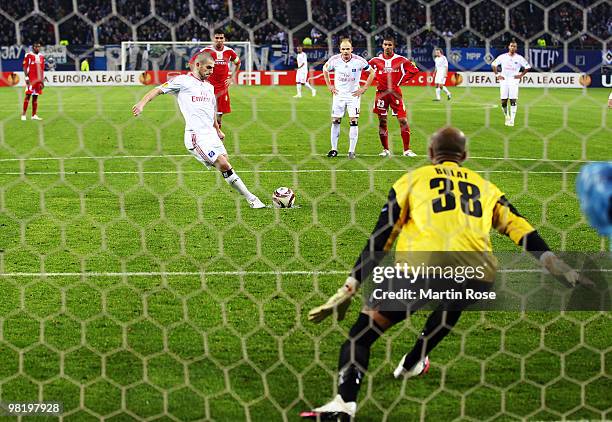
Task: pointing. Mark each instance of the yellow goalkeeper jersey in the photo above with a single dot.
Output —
(446, 207)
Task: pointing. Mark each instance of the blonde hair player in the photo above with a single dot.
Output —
(346, 91)
(203, 137)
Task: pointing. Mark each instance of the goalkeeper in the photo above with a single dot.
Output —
(440, 207)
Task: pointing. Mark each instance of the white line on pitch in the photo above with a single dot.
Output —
(214, 273)
(168, 273)
(531, 159)
(79, 173)
(238, 155)
(121, 157)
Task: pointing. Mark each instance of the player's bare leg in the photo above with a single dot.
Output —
(504, 105)
(405, 133)
(219, 118)
(222, 164)
(383, 134)
(26, 101)
(334, 135)
(353, 136)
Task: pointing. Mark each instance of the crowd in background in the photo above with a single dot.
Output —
(331, 20)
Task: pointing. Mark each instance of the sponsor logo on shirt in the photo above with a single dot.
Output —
(197, 99)
(390, 70)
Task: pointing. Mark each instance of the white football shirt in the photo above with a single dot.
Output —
(196, 100)
(302, 59)
(441, 65)
(510, 65)
(347, 74)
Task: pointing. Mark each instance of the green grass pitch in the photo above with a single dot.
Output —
(136, 285)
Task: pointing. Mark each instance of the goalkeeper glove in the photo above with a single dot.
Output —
(557, 267)
(340, 302)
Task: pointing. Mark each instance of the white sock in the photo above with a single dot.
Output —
(513, 112)
(299, 89)
(335, 134)
(236, 182)
(445, 89)
(505, 110)
(309, 86)
(353, 135)
(437, 93)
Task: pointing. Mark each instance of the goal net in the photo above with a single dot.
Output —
(170, 55)
(137, 285)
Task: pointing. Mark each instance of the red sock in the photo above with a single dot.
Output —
(26, 101)
(34, 105)
(405, 131)
(383, 134)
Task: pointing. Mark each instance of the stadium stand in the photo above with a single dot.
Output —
(95, 23)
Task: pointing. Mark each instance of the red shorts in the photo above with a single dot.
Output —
(389, 99)
(223, 99)
(34, 88)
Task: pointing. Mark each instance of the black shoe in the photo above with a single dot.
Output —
(332, 153)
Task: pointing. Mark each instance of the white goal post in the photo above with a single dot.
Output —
(174, 55)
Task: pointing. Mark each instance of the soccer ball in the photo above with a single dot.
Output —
(283, 197)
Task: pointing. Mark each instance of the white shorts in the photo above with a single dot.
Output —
(440, 79)
(508, 90)
(301, 77)
(206, 148)
(341, 104)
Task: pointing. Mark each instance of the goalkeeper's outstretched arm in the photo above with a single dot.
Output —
(508, 221)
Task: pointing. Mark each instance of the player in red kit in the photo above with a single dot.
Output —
(391, 70)
(34, 71)
(221, 77)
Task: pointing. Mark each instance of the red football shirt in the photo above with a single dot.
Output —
(222, 64)
(391, 72)
(34, 66)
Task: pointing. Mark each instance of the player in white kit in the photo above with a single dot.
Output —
(440, 73)
(509, 68)
(346, 92)
(198, 104)
(301, 74)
